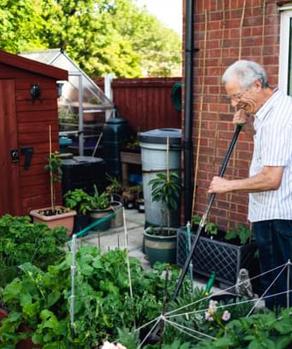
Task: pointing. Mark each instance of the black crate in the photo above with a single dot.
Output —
(223, 258)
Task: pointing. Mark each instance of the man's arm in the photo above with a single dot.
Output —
(269, 178)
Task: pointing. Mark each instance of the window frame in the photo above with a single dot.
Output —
(285, 37)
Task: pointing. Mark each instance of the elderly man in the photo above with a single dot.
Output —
(266, 113)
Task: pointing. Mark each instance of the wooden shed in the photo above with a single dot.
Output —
(28, 105)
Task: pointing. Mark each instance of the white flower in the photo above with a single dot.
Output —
(226, 315)
(108, 345)
(212, 307)
(208, 316)
(120, 346)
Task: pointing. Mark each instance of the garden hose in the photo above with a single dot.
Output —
(95, 224)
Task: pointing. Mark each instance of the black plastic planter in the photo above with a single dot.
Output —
(225, 259)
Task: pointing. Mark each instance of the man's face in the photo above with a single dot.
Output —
(243, 98)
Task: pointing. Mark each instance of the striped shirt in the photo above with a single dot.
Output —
(273, 147)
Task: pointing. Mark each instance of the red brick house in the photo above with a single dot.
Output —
(225, 31)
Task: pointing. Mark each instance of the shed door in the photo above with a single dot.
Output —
(9, 181)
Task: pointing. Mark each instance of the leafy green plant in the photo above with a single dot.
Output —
(40, 300)
(21, 241)
(78, 200)
(241, 232)
(99, 201)
(103, 303)
(114, 186)
(54, 168)
(196, 219)
(210, 228)
(165, 188)
(258, 331)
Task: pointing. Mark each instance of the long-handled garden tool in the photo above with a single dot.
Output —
(156, 333)
(206, 214)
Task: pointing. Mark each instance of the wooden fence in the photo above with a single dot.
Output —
(146, 103)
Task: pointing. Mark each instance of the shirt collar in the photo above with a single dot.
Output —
(268, 105)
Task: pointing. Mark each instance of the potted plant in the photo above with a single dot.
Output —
(130, 194)
(79, 201)
(160, 242)
(224, 253)
(101, 209)
(114, 188)
(55, 215)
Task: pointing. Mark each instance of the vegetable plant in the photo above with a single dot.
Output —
(210, 228)
(79, 201)
(40, 300)
(22, 241)
(241, 232)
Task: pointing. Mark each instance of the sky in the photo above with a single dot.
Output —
(167, 11)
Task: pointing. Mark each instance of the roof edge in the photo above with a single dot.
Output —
(33, 66)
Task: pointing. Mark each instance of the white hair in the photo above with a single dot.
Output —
(247, 72)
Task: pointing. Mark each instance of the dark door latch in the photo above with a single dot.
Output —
(14, 154)
(27, 152)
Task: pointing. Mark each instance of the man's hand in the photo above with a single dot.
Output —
(241, 117)
(219, 185)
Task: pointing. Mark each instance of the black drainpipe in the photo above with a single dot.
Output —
(188, 109)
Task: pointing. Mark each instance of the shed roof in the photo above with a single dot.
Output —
(32, 66)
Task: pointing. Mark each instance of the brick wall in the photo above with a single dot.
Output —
(257, 39)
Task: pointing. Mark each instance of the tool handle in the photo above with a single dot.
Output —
(225, 163)
(230, 149)
(205, 216)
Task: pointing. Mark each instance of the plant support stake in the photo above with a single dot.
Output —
(73, 271)
(189, 244)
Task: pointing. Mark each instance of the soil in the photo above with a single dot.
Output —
(49, 212)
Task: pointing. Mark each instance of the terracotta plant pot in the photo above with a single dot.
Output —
(65, 219)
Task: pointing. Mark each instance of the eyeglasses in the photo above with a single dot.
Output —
(237, 96)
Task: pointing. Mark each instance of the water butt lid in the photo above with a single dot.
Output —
(115, 121)
(80, 160)
(160, 135)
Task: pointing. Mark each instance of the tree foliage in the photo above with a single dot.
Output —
(102, 36)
